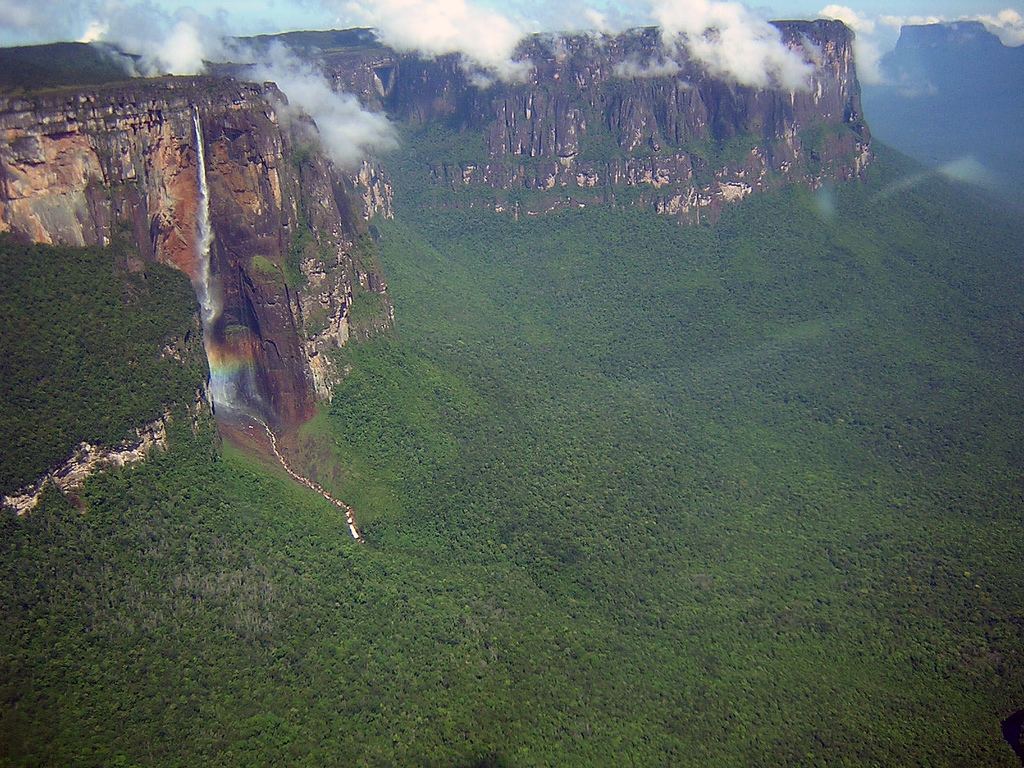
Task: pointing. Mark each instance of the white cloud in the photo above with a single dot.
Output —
(169, 43)
(633, 67)
(866, 49)
(346, 131)
(180, 42)
(732, 42)
(1008, 25)
(726, 37)
(901, 21)
(94, 32)
(597, 20)
(173, 43)
(180, 50)
(582, 16)
(849, 17)
(436, 27)
(868, 58)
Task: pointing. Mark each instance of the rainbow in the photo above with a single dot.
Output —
(231, 350)
(232, 370)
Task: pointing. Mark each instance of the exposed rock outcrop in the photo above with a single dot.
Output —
(87, 459)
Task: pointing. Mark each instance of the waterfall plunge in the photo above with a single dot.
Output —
(208, 300)
(233, 386)
(221, 390)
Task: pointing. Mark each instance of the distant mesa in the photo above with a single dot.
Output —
(950, 92)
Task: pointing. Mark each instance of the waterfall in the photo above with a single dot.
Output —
(219, 390)
(232, 386)
(208, 299)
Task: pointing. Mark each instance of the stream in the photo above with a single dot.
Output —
(350, 514)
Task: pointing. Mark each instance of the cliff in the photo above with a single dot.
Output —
(600, 120)
(618, 119)
(87, 459)
(92, 165)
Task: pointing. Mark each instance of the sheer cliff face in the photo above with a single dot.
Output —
(586, 127)
(86, 167)
(289, 259)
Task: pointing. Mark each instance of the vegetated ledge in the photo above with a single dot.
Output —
(88, 459)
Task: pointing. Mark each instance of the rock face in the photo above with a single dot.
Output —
(87, 459)
(588, 127)
(85, 167)
(289, 258)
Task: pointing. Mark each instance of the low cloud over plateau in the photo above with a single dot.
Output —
(181, 43)
(346, 131)
(732, 42)
(877, 33)
(485, 37)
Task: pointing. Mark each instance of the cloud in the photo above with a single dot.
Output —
(347, 132)
(866, 50)
(181, 42)
(484, 36)
(23, 22)
(633, 67)
(877, 33)
(725, 37)
(1007, 25)
(168, 43)
(849, 17)
(901, 21)
(583, 16)
(94, 32)
(868, 58)
(597, 20)
(732, 42)
(174, 43)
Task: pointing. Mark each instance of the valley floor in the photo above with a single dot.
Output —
(632, 494)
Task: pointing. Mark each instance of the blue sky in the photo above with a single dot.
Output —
(269, 15)
(32, 21)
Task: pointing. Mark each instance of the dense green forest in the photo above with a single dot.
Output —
(633, 493)
(55, 65)
(91, 350)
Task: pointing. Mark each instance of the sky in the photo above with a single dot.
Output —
(176, 37)
(274, 15)
(32, 21)
(729, 39)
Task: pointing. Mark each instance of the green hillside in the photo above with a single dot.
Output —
(91, 350)
(31, 67)
(633, 494)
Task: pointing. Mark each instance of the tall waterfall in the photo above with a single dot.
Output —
(220, 390)
(233, 386)
(208, 300)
